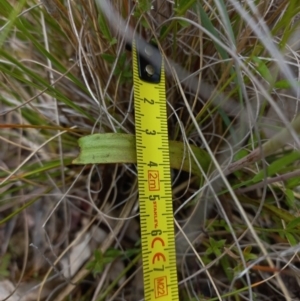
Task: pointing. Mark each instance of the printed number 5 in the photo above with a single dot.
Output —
(154, 197)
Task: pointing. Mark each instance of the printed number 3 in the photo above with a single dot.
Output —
(150, 132)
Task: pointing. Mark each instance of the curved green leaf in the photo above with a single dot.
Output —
(120, 148)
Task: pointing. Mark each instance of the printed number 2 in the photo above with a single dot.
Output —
(150, 101)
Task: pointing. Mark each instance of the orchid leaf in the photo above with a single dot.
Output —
(120, 148)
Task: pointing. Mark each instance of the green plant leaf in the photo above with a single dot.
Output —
(104, 27)
(273, 210)
(28, 204)
(4, 265)
(224, 11)
(217, 244)
(183, 6)
(262, 69)
(120, 148)
(108, 57)
(290, 198)
(248, 255)
(206, 22)
(277, 165)
(13, 17)
(294, 223)
(293, 182)
(240, 154)
(291, 238)
(284, 84)
(96, 265)
(98, 255)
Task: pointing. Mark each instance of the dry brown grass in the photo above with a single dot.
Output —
(65, 73)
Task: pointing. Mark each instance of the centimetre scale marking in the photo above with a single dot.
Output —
(154, 180)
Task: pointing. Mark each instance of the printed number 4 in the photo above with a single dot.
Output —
(151, 164)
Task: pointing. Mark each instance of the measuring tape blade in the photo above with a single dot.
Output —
(154, 178)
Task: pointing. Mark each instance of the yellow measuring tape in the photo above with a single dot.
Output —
(154, 179)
